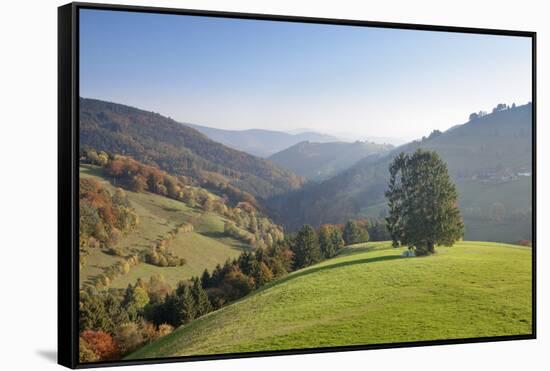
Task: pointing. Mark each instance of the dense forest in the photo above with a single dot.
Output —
(178, 149)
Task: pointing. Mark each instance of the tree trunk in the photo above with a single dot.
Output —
(431, 247)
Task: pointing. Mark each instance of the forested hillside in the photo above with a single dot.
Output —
(137, 221)
(489, 158)
(178, 149)
(320, 161)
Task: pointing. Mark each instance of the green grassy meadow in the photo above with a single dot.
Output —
(371, 294)
(203, 248)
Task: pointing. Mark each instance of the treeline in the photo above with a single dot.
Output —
(249, 271)
(232, 230)
(310, 246)
(104, 217)
(160, 256)
(228, 282)
(253, 229)
(361, 230)
(499, 107)
(140, 177)
(159, 253)
(109, 274)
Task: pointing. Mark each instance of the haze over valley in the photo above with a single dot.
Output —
(321, 181)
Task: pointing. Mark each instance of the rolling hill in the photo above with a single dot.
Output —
(258, 142)
(204, 247)
(371, 294)
(319, 161)
(177, 149)
(489, 158)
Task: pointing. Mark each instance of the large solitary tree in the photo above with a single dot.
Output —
(422, 203)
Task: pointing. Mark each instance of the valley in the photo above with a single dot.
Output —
(320, 161)
(260, 142)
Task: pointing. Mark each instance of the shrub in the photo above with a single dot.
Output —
(102, 344)
(165, 329)
(149, 332)
(85, 352)
(129, 337)
(160, 257)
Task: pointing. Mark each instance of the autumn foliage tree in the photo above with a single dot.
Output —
(101, 343)
(85, 352)
(103, 216)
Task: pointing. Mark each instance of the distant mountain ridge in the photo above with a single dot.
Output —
(488, 157)
(260, 142)
(320, 161)
(178, 149)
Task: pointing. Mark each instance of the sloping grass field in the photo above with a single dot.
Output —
(203, 248)
(371, 294)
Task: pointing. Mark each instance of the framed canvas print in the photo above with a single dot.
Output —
(237, 185)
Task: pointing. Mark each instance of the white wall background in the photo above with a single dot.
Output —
(28, 153)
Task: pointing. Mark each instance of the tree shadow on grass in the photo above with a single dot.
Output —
(170, 209)
(213, 234)
(357, 250)
(233, 243)
(330, 267)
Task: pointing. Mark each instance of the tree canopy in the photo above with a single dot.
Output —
(351, 232)
(306, 247)
(422, 203)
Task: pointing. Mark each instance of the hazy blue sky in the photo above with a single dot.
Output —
(243, 74)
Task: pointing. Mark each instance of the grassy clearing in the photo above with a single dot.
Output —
(371, 294)
(203, 248)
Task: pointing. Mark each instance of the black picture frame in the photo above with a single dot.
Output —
(68, 171)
